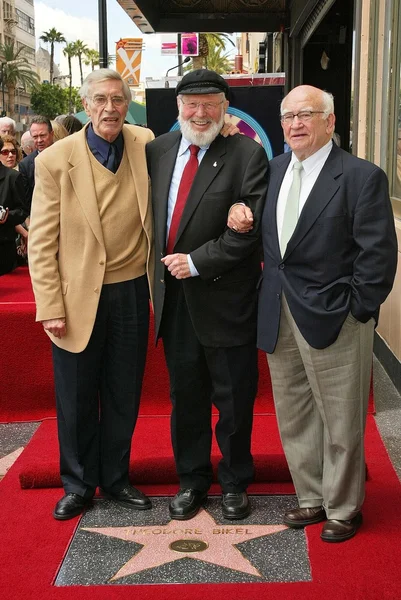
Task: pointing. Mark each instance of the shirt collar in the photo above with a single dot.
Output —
(310, 163)
(102, 145)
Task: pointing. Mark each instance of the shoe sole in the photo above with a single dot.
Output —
(302, 524)
(238, 516)
(127, 504)
(70, 516)
(190, 515)
(345, 537)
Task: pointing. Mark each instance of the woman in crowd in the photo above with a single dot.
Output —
(12, 210)
(10, 154)
(59, 131)
(72, 124)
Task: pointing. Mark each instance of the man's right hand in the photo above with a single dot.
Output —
(56, 327)
(240, 218)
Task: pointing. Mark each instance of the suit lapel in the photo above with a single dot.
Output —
(161, 186)
(276, 179)
(137, 160)
(83, 185)
(322, 192)
(210, 167)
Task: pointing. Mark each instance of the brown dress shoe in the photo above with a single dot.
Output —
(340, 531)
(301, 517)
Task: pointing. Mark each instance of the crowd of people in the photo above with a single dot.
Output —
(103, 241)
(16, 188)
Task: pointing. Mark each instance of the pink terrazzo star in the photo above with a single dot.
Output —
(218, 540)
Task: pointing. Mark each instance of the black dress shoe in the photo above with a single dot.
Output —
(235, 505)
(301, 517)
(70, 505)
(339, 531)
(186, 504)
(130, 497)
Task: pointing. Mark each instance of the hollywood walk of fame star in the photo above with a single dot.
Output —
(218, 543)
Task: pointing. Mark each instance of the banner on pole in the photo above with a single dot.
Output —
(189, 44)
(128, 59)
(169, 44)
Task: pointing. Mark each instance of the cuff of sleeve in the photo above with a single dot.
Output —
(192, 268)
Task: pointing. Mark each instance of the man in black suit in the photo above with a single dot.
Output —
(324, 279)
(42, 133)
(205, 291)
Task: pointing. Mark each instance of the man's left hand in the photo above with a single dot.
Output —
(229, 129)
(178, 265)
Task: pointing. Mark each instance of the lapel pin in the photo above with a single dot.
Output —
(215, 164)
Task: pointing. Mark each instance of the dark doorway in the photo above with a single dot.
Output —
(331, 46)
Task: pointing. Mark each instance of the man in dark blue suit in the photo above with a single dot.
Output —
(330, 254)
(42, 133)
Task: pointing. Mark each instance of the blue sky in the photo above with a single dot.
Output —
(78, 19)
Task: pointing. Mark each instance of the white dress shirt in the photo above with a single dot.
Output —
(182, 159)
(312, 167)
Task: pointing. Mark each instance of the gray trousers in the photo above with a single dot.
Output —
(321, 399)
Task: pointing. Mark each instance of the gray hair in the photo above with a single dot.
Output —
(8, 121)
(327, 104)
(103, 75)
(41, 120)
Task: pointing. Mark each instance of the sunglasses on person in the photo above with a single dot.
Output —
(7, 152)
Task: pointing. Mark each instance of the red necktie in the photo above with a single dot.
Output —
(187, 178)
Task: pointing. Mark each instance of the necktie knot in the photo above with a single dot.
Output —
(298, 166)
(194, 150)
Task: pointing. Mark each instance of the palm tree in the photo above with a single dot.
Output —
(80, 49)
(52, 37)
(92, 58)
(69, 52)
(219, 62)
(15, 70)
(219, 40)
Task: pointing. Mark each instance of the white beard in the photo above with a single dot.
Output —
(200, 138)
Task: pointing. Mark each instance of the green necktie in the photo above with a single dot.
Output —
(291, 208)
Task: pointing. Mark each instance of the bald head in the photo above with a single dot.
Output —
(314, 127)
(27, 143)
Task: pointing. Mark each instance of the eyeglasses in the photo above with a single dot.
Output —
(303, 116)
(206, 105)
(102, 100)
(7, 152)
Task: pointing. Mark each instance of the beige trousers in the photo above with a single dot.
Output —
(321, 399)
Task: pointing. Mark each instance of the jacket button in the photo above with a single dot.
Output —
(281, 266)
(278, 296)
(101, 262)
(96, 290)
(161, 280)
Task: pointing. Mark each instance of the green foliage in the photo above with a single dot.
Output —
(49, 100)
(52, 100)
(16, 71)
(206, 42)
(77, 105)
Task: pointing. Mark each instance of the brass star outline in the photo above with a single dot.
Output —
(156, 540)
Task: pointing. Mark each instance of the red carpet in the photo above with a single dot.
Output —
(368, 567)
(26, 350)
(29, 396)
(151, 458)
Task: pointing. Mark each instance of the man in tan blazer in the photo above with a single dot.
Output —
(90, 252)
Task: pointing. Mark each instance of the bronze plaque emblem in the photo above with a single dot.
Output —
(188, 546)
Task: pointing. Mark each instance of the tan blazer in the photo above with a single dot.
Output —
(67, 256)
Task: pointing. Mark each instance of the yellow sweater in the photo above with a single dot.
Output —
(124, 238)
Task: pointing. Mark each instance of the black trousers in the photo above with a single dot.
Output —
(199, 377)
(8, 257)
(98, 391)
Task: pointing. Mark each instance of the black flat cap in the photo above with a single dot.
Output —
(202, 81)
